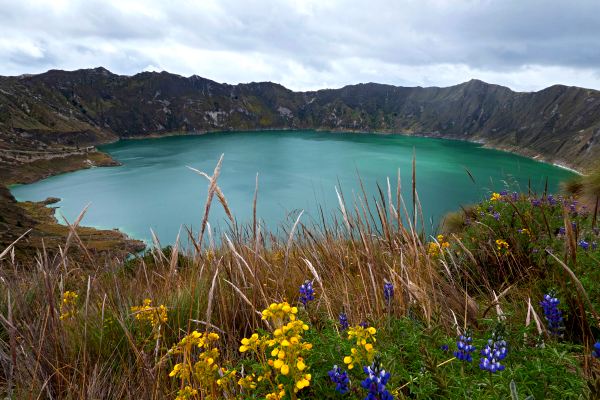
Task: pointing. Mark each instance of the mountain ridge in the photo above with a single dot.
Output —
(65, 109)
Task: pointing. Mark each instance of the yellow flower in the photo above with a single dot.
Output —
(495, 197)
(68, 306)
(285, 369)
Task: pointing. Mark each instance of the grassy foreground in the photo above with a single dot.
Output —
(502, 303)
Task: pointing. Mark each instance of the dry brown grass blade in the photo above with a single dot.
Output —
(212, 187)
(211, 294)
(291, 237)
(12, 245)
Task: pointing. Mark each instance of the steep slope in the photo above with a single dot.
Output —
(86, 107)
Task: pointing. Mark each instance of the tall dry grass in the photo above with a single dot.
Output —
(103, 353)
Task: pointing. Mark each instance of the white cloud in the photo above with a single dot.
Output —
(310, 44)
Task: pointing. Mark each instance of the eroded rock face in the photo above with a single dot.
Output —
(88, 107)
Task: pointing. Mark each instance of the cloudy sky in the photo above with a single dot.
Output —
(311, 44)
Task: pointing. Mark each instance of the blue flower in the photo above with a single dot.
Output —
(515, 196)
(504, 193)
(552, 313)
(494, 352)
(340, 378)
(343, 318)
(444, 347)
(306, 292)
(584, 245)
(375, 382)
(388, 291)
(536, 202)
(551, 200)
(496, 216)
(596, 351)
(464, 347)
(562, 230)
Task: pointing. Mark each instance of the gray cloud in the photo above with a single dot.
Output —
(310, 44)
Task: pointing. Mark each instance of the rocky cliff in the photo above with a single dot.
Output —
(60, 110)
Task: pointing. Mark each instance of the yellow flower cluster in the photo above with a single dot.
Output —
(279, 312)
(496, 197)
(434, 248)
(154, 315)
(284, 351)
(186, 393)
(501, 245)
(278, 395)
(68, 305)
(202, 374)
(364, 351)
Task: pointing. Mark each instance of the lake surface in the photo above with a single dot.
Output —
(297, 171)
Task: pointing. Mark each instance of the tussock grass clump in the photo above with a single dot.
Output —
(230, 321)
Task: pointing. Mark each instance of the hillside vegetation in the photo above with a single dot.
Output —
(502, 303)
(61, 110)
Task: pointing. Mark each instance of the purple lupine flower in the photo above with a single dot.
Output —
(552, 313)
(496, 216)
(504, 193)
(464, 347)
(375, 382)
(573, 206)
(574, 225)
(363, 324)
(551, 200)
(596, 351)
(340, 378)
(536, 202)
(444, 347)
(307, 292)
(515, 196)
(584, 245)
(388, 292)
(562, 231)
(494, 352)
(343, 319)
(490, 208)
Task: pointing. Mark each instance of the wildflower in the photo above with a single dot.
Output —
(444, 347)
(525, 231)
(496, 215)
(584, 245)
(552, 313)
(515, 196)
(536, 202)
(306, 292)
(156, 316)
(340, 378)
(364, 351)
(495, 197)
(596, 351)
(562, 231)
(68, 305)
(551, 200)
(375, 382)
(343, 318)
(504, 193)
(186, 393)
(464, 347)
(204, 372)
(388, 292)
(494, 352)
(285, 349)
(501, 244)
(434, 248)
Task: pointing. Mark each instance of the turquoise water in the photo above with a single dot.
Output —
(153, 189)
